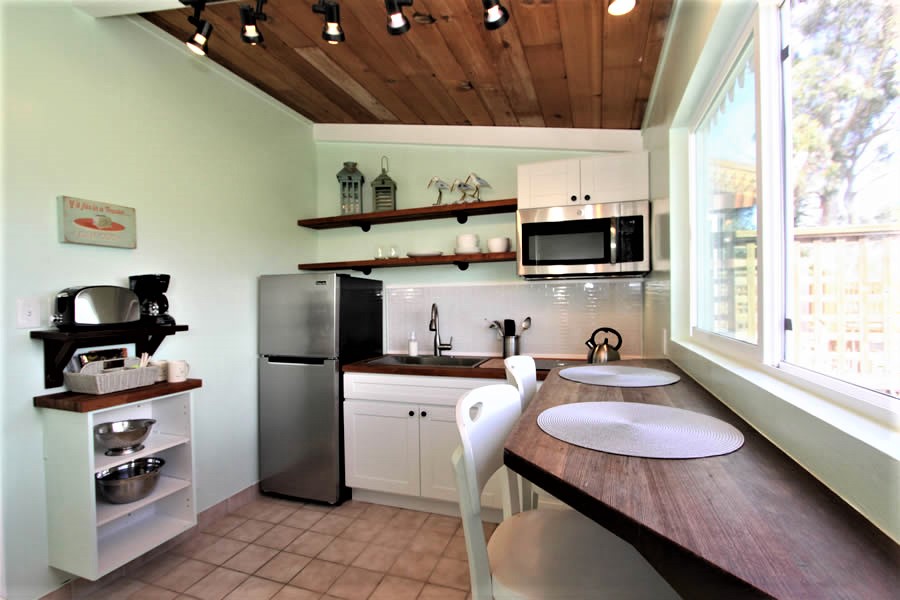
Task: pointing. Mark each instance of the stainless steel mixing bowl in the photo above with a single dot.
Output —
(131, 481)
(123, 437)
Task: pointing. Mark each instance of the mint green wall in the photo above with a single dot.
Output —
(115, 111)
(411, 166)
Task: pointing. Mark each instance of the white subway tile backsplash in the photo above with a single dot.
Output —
(563, 315)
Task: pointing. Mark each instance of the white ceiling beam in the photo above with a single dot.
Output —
(114, 8)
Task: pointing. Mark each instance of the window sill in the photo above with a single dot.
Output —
(879, 429)
(855, 456)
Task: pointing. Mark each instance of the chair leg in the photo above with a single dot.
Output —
(529, 496)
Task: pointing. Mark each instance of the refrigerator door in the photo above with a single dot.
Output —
(299, 428)
(298, 315)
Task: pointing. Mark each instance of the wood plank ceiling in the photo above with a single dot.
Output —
(556, 63)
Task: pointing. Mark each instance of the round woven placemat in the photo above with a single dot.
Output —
(618, 376)
(644, 430)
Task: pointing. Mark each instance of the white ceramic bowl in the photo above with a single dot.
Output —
(498, 244)
(467, 240)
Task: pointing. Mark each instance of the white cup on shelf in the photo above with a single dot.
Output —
(178, 371)
(498, 244)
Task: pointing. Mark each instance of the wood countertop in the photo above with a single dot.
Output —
(75, 402)
(491, 368)
(748, 524)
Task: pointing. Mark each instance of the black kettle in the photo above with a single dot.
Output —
(604, 352)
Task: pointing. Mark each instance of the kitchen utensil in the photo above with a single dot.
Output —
(129, 482)
(603, 352)
(123, 437)
(509, 327)
(496, 325)
(526, 324)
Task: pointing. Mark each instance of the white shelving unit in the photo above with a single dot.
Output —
(90, 537)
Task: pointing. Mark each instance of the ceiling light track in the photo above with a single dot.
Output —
(332, 31)
(250, 33)
(198, 43)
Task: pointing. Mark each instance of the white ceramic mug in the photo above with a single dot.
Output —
(178, 371)
(498, 244)
(163, 365)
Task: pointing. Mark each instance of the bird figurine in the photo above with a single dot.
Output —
(467, 189)
(479, 183)
(441, 186)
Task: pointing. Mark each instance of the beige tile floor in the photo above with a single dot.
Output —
(275, 549)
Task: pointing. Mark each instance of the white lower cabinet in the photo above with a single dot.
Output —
(402, 447)
(90, 537)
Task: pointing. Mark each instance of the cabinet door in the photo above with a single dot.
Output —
(552, 183)
(616, 177)
(381, 445)
(438, 439)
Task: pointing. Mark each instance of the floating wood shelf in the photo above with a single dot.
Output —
(60, 346)
(461, 212)
(462, 261)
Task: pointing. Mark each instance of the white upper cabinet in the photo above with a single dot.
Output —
(596, 179)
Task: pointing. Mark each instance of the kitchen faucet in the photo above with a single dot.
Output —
(435, 326)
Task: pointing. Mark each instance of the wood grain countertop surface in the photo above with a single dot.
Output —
(491, 368)
(75, 402)
(748, 524)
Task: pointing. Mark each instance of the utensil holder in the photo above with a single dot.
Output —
(510, 345)
(97, 378)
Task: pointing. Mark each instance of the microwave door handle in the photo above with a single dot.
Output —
(613, 241)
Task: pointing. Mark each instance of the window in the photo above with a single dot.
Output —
(725, 227)
(843, 195)
(795, 197)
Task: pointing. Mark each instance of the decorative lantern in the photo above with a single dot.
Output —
(384, 189)
(350, 180)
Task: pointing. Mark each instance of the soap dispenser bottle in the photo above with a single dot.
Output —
(413, 349)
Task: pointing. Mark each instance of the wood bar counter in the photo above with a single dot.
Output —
(750, 524)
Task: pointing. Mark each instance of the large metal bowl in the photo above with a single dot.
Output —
(129, 482)
(123, 437)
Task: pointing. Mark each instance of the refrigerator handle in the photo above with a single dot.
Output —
(295, 360)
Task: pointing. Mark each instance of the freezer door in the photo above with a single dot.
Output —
(299, 429)
(298, 315)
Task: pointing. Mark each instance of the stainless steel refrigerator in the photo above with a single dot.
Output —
(310, 325)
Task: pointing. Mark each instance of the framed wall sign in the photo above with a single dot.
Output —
(96, 223)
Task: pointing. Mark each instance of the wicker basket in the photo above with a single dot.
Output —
(114, 375)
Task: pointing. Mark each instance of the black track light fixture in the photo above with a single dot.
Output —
(332, 32)
(397, 23)
(495, 16)
(250, 33)
(198, 43)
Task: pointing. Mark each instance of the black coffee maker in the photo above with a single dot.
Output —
(151, 291)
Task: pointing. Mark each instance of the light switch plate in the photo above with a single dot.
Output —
(28, 313)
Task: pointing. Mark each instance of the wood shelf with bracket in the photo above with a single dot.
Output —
(60, 346)
(462, 261)
(461, 212)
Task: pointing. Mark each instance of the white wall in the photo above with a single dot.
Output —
(115, 111)
(849, 454)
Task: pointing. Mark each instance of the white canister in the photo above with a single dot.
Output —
(178, 371)
(498, 244)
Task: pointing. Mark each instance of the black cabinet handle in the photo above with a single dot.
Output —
(424, 414)
(574, 198)
(587, 197)
(412, 413)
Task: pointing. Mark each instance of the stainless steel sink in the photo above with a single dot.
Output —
(428, 361)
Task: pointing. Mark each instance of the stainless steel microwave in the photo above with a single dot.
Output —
(590, 240)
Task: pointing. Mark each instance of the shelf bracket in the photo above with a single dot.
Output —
(461, 218)
(363, 270)
(365, 226)
(461, 264)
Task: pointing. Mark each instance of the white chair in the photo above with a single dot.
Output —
(521, 373)
(540, 554)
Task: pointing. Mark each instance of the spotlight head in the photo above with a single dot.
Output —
(397, 23)
(495, 15)
(331, 32)
(250, 33)
(620, 7)
(199, 42)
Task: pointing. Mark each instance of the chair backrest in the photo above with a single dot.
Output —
(521, 372)
(484, 418)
